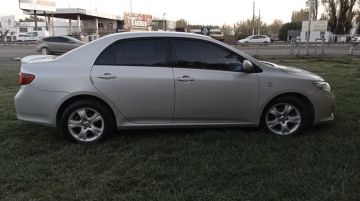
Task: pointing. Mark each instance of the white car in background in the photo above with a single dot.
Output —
(256, 39)
(33, 36)
(356, 39)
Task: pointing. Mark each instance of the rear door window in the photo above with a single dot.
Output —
(135, 52)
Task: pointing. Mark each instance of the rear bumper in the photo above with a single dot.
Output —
(37, 107)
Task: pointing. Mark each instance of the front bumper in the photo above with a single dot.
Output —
(324, 105)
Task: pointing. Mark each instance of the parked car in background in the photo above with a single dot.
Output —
(33, 36)
(164, 79)
(356, 39)
(256, 39)
(57, 44)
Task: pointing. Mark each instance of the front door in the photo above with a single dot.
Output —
(210, 85)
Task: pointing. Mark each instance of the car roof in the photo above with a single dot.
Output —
(125, 35)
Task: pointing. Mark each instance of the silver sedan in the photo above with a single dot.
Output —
(155, 79)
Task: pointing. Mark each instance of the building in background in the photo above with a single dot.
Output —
(134, 22)
(318, 30)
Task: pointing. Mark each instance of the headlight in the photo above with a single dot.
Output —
(323, 86)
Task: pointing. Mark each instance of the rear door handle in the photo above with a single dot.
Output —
(185, 78)
(107, 76)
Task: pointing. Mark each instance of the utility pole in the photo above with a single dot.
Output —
(164, 25)
(131, 6)
(309, 28)
(35, 20)
(259, 22)
(253, 22)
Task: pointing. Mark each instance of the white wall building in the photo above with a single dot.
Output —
(61, 27)
(318, 30)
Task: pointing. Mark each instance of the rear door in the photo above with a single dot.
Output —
(52, 43)
(210, 85)
(135, 75)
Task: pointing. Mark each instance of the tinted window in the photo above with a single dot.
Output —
(139, 52)
(52, 39)
(63, 40)
(107, 57)
(205, 55)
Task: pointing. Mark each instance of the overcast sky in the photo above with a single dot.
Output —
(195, 11)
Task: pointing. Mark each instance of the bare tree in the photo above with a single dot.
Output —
(315, 10)
(275, 26)
(226, 29)
(3, 34)
(300, 15)
(244, 28)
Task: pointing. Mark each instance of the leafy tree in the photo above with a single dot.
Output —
(300, 15)
(288, 26)
(341, 14)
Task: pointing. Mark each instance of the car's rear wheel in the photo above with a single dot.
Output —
(45, 51)
(87, 121)
(285, 116)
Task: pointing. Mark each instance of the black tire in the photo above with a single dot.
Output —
(45, 51)
(106, 124)
(278, 102)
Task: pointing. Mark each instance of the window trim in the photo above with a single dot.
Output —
(164, 42)
(175, 60)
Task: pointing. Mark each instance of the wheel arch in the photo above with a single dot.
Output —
(297, 95)
(72, 99)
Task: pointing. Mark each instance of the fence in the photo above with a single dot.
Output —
(297, 48)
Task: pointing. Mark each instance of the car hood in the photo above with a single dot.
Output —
(295, 71)
(37, 58)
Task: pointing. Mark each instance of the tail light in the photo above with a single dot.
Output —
(25, 78)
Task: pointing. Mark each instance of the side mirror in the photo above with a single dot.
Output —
(247, 66)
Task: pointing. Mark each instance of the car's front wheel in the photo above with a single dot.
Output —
(87, 121)
(285, 116)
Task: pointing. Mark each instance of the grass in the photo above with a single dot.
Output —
(37, 163)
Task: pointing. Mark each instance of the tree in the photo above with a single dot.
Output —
(275, 26)
(315, 8)
(244, 28)
(300, 15)
(283, 34)
(3, 34)
(181, 23)
(31, 19)
(227, 29)
(341, 14)
(358, 21)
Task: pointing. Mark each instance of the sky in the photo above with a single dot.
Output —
(194, 11)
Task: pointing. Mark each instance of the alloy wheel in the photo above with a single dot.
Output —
(283, 119)
(85, 124)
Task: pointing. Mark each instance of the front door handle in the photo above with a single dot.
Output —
(185, 78)
(107, 76)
